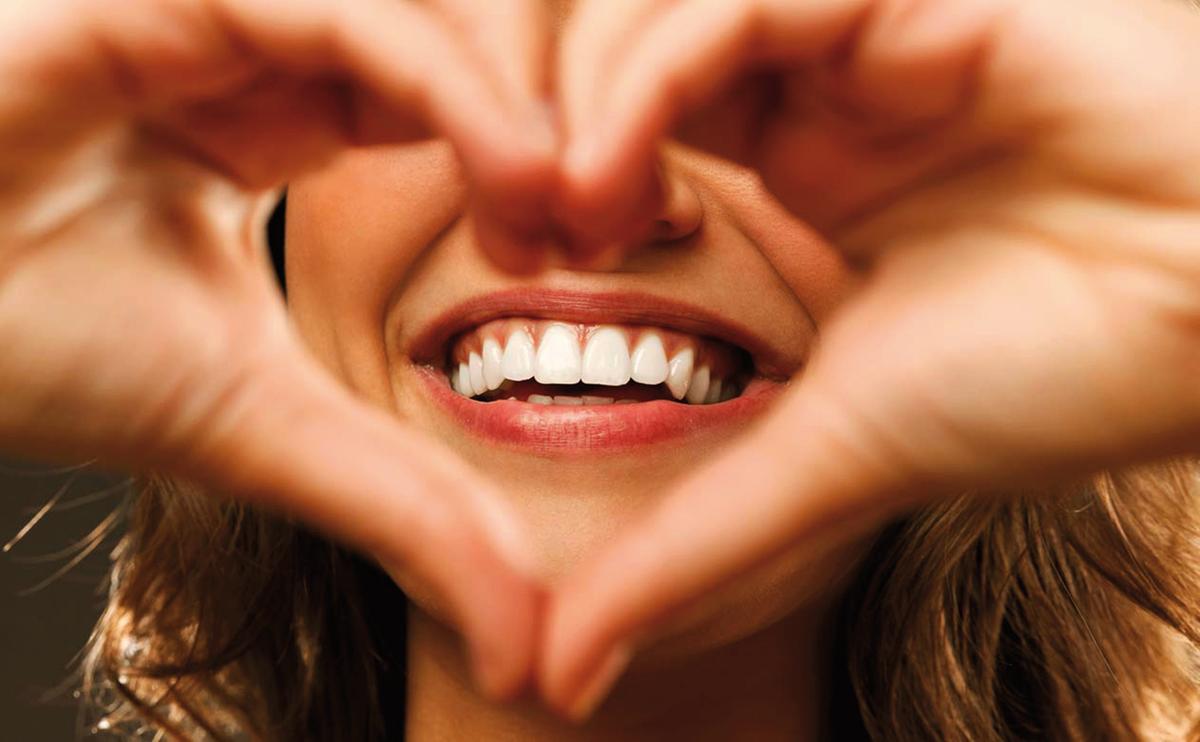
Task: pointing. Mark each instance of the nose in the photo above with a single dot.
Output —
(682, 212)
(671, 211)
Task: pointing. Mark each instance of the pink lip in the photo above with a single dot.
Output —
(558, 431)
(550, 430)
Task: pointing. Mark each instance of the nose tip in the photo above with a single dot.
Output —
(682, 211)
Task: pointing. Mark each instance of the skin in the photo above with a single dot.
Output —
(382, 242)
(141, 321)
(1026, 263)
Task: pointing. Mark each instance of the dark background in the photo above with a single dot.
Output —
(45, 620)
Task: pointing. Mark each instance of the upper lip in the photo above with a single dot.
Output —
(429, 343)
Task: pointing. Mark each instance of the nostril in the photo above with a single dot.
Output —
(682, 211)
(663, 230)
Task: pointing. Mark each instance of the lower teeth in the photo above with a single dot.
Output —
(505, 393)
(568, 401)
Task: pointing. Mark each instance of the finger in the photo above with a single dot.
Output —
(288, 438)
(684, 57)
(595, 37)
(809, 475)
(512, 39)
(597, 31)
(389, 46)
(398, 55)
(692, 51)
(510, 42)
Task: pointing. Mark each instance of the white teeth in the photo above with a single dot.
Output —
(475, 368)
(605, 361)
(517, 363)
(463, 381)
(714, 392)
(648, 362)
(558, 359)
(698, 390)
(679, 375)
(493, 359)
(606, 358)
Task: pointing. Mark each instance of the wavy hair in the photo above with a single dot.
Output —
(1072, 615)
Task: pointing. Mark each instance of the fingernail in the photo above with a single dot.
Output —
(602, 680)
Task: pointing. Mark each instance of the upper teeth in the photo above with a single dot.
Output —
(679, 373)
(558, 360)
(648, 362)
(518, 363)
(605, 360)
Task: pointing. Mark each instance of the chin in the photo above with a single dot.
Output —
(586, 407)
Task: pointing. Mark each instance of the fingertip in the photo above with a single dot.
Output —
(509, 537)
(504, 647)
(613, 203)
(599, 683)
(581, 162)
(569, 684)
(511, 205)
(509, 249)
(558, 661)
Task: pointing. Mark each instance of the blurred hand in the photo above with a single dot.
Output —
(142, 149)
(1020, 184)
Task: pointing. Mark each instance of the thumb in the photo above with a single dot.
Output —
(801, 474)
(289, 438)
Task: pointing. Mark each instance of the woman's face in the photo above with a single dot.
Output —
(389, 289)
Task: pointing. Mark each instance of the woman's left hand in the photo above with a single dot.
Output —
(1020, 184)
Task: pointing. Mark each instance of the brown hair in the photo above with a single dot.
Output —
(1068, 616)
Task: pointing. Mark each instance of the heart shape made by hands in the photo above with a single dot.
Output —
(916, 137)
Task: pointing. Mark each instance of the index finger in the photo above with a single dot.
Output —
(511, 37)
(510, 41)
(289, 438)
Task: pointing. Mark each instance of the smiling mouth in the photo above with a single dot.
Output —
(555, 363)
(561, 372)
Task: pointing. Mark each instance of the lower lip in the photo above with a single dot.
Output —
(551, 429)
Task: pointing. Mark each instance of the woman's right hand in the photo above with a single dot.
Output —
(139, 321)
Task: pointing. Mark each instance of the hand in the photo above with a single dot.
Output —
(1020, 184)
(139, 319)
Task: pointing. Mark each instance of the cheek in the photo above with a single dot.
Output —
(354, 232)
(809, 266)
